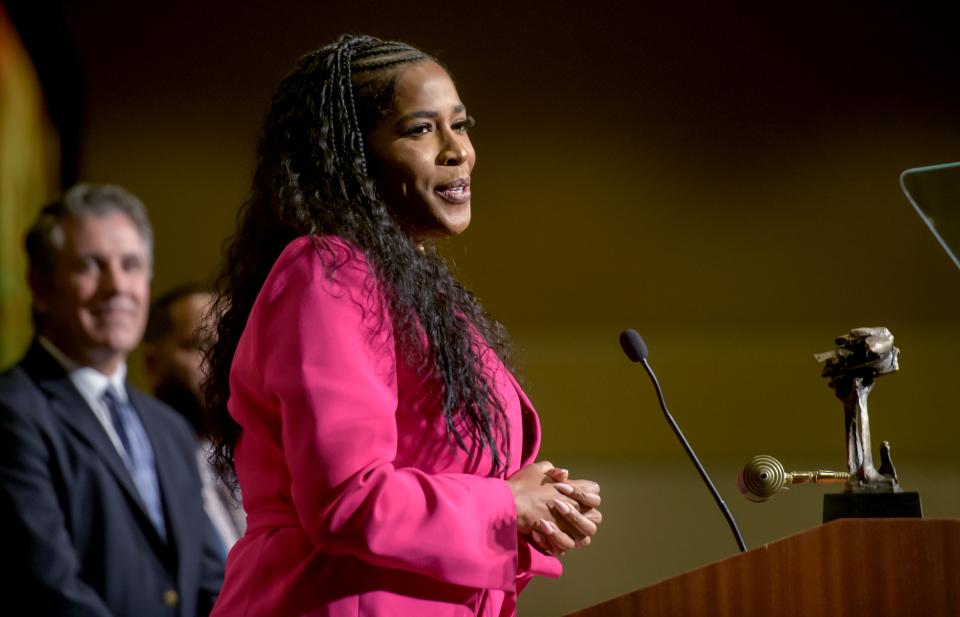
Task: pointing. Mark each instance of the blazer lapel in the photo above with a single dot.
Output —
(72, 409)
(531, 423)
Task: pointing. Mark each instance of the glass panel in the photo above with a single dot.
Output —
(934, 192)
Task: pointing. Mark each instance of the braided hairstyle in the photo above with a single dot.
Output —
(311, 178)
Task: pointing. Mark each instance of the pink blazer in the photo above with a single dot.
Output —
(358, 502)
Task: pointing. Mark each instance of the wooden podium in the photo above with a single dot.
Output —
(870, 567)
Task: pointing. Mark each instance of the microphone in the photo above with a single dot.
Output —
(636, 350)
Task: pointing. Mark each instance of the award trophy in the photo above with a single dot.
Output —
(862, 356)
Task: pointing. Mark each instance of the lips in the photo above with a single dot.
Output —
(456, 192)
(115, 308)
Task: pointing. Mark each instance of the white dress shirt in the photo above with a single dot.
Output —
(222, 508)
(92, 384)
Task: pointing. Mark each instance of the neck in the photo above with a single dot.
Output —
(102, 360)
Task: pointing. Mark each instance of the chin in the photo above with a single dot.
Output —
(456, 225)
(120, 341)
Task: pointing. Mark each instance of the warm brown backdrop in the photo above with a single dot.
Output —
(722, 179)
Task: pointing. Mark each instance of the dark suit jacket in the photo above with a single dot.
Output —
(76, 536)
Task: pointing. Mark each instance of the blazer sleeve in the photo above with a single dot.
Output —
(532, 562)
(38, 567)
(335, 383)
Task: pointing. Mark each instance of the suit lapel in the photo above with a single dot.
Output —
(74, 412)
(531, 423)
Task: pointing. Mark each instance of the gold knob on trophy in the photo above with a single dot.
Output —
(763, 476)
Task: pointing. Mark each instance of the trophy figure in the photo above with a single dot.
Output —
(861, 356)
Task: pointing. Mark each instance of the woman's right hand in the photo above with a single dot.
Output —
(557, 514)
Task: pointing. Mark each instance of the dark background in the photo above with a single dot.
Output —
(722, 178)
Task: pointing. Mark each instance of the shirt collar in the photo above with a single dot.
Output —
(91, 382)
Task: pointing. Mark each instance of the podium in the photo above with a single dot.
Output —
(875, 567)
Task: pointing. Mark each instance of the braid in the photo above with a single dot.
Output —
(384, 63)
(378, 50)
(356, 133)
(311, 178)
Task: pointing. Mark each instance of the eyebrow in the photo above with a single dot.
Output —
(429, 114)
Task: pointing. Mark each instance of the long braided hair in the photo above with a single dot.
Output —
(311, 178)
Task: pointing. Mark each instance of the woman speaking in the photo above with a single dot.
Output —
(359, 396)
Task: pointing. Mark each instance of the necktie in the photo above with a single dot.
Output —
(137, 456)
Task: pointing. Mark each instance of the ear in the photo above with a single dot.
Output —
(40, 291)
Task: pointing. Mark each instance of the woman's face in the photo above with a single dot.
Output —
(421, 156)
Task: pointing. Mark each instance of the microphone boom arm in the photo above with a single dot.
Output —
(693, 457)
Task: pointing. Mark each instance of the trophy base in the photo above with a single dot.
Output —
(871, 505)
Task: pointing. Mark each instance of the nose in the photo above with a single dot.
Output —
(453, 151)
(111, 279)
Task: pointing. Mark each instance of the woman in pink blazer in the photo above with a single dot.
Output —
(358, 394)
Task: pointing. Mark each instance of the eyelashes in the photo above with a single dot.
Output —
(419, 130)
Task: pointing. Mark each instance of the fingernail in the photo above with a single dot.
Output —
(537, 536)
(559, 505)
(546, 527)
(563, 471)
(564, 488)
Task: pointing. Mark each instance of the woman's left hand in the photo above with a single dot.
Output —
(577, 513)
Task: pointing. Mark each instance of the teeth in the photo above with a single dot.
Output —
(456, 194)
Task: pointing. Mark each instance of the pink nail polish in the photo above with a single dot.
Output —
(537, 536)
(562, 507)
(564, 488)
(546, 527)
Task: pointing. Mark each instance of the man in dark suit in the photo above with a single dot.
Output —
(100, 503)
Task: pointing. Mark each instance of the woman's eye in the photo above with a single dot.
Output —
(417, 131)
(462, 126)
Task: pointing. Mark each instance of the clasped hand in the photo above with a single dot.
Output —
(558, 513)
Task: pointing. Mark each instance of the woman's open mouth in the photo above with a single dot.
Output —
(457, 192)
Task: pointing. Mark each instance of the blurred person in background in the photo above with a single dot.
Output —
(173, 347)
(99, 493)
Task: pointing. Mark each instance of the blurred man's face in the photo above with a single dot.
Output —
(178, 355)
(94, 304)
(174, 362)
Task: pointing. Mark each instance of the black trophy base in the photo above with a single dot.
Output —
(871, 505)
